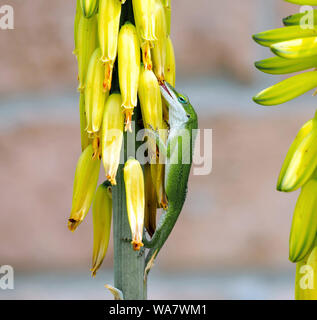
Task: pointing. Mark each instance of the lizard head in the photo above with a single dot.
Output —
(178, 104)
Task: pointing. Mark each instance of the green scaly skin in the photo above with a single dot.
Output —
(182, 117)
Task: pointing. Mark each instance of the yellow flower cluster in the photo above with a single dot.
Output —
(119, 61)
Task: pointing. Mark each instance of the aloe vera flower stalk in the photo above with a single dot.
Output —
(117, 44)
(295, 49)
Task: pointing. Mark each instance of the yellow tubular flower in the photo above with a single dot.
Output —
(151, 102)
(108, 30)
(170, 66)
(101, 217)
(134, 188)
(129, 69)
(159, 49)
(87, 43)
(95, 96)
(112, 136)
(85, 141)
(150, 202)
(145, 23)
(85, 183)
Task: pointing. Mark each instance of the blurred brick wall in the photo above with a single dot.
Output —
(210, 37)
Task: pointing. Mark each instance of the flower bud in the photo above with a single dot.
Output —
(101, 218)
(170, 66)
(108, 30)
(129, 69)
(151, 103)
(87, 42)
(144, 14)
(89, 7)
(112, 136)
(301, 160)
(95, 96)
(159, 49)
(85, 183)
(304, 224)
(134, 188)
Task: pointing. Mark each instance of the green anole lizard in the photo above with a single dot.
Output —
(182, 124)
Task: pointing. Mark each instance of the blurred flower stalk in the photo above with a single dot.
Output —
(124, 51)
(295, 49)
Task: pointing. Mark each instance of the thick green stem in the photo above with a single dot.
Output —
(128, 264)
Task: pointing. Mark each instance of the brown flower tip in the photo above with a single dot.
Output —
(137, 245)
(73, 224)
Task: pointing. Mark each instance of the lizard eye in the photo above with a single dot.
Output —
(182, 100)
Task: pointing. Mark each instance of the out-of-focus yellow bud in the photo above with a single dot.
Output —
(168, 14)
(108, 29)
(150, 201)
(76, 24)
(87, 43)
(112, 136)
(129, 69)
(304, 224)
(134, 188)
(101, 218)
(144, 14)
(95, 96)
(159, 49)
(85, 141)
(170, 66)
(85, 183)
(89, 7)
